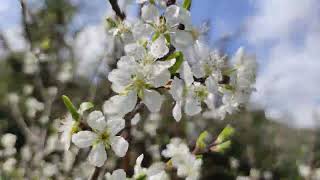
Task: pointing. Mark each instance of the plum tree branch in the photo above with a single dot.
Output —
(116, 9)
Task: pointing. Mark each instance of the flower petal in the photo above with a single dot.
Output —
(177, 89)
(119, 174)
(192, 106)
(98, 155)
(176, 112)
(135, 50)
(115, 125)
(159, 47)
(119, 145)
(84, 139)
(153, 100)
(186, 73)
(149, 13)
(120, 104)
(182, 39)
(96, 120)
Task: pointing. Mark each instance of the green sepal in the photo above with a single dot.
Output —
(187, 4)
(71, 108)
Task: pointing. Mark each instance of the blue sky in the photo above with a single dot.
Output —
(283, 34)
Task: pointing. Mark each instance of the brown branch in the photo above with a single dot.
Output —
(25, 22)
(95, 174)
(116, 9)
(21, 122)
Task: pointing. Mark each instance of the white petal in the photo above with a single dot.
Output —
(115, 125)
(176, 15)
(96, 120)
(161, 79)
(176, 112)
(119, 145)
(120, 79)
(155, 168)
(186, 73)
(159, 47)
(139, 160)
(120, 104)
(211, 85)
(182, 39)
(135, 120)
(142, 31)
(153, 100)
(98, 155)
(119, 174)
(83, 139)
(135, 50)
(192, 106)
(149, 13)
(176, 90)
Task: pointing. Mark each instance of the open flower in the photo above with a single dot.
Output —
(189, 94)
(154, 172)
(136, 76)
(102, 138)
(171, 24)
(187, 164)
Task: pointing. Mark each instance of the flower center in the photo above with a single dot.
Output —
(104, 137)
(201, 92)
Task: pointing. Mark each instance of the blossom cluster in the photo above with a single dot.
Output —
(160, 57)
(163, 54)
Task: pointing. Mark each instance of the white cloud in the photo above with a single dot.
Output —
(90, 46)
(288, 84)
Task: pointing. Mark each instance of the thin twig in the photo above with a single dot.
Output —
(95, 174)
(20, 121)
(116, 9)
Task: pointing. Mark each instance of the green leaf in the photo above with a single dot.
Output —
(168, 38)
(179, 59)
(155, 36)
(187, 4)
(71, 108)
(221, 148)
(201, 144)
(225, 134)
(85, 106)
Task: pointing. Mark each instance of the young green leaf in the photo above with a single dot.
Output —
(201, 144)
(155, 36)
(225, 134)
(179, 59)
(187, 4)
(221, 148)
(71, 108)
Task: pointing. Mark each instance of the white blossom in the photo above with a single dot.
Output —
(104, 136)
(67, 128)
(135, 77)
(187, 164)
(154, 172)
